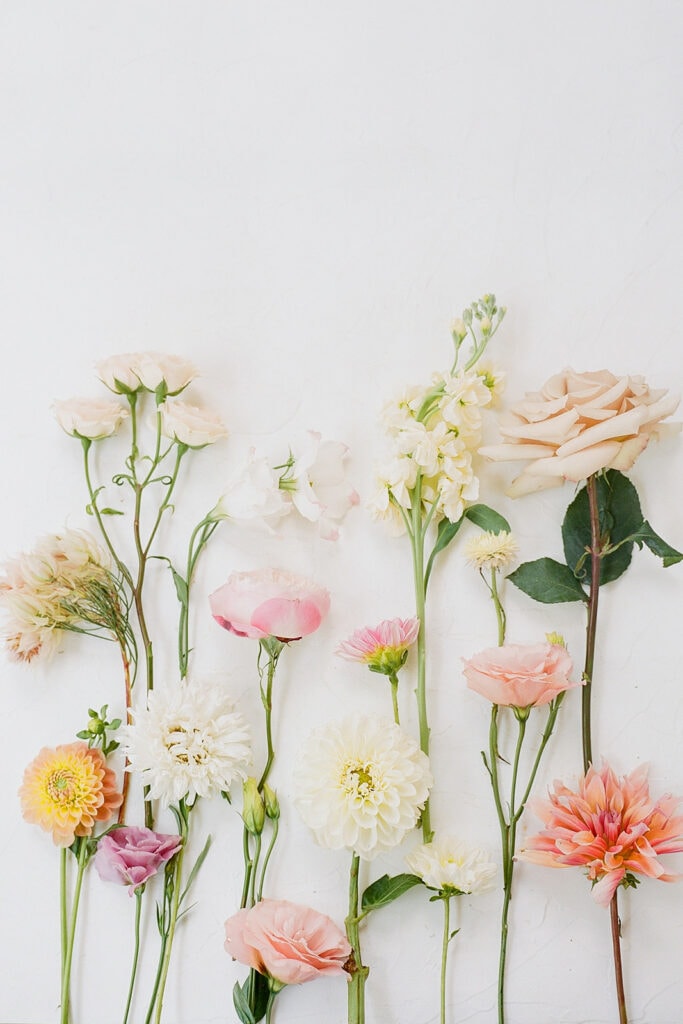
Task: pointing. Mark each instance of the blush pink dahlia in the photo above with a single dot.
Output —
(269, 602)
(520, 675)
(288, 942)
(611, 826)
(383, 649)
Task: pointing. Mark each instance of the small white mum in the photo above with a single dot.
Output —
(360, 784)
(487, 550)
(188, 742)
(449, 865)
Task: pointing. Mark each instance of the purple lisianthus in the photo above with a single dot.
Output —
(131, 855)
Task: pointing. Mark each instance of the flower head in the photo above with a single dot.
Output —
(450, 866)
(89, 418)
(383, 649)
(487, 550)
(66, 790)
(520, 675)
(578, 424)
(609, 825)
(65, 583)
(317, 484)
(287, 942)
(253, 495)
(189, 424)
(188, 742)
(360, 785)
(269, 602)
(131, 856)
(151, 371)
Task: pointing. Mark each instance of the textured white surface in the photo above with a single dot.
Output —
(301, 197)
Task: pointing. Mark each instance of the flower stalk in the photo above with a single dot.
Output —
(359, 973)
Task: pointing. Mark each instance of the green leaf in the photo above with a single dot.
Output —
(111, 512)
(620, 518)
(445, 534)
(385, 890)
(487, 519)
(241, 1003)
(260, 993)
(195, 870)
(180, 586)
(646, 535)
(548, 581)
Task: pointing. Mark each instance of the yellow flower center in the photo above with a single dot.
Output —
(358, 779)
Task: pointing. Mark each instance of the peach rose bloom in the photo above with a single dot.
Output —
(288, 942)
(578, 424)
(520, 675)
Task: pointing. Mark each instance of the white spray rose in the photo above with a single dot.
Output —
(91, 418)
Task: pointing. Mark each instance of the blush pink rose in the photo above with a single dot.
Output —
(131, 855)
(288, 942)
(578, 424)
(269, 602)
(520, 675)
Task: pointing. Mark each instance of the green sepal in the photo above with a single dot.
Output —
(487, 519)
(620, 518)
(387, 889)
(647, 536)
(548, 581)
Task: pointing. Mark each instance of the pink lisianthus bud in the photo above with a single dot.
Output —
(520, 675)
(269, 602)
(130, 855)
(287, 942)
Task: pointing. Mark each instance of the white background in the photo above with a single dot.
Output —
(301, 196)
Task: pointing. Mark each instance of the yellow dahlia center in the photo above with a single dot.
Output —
(358, 778)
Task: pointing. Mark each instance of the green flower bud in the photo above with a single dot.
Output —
(253, 809)
(271, 802)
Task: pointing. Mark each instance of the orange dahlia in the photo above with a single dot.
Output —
(67, 790)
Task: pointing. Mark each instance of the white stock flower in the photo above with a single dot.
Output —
(318, 486)
(491, 550)
(91, 418)
(253, 495)
(360, 784)
(449, 865)
(189, 424)
(188, 742)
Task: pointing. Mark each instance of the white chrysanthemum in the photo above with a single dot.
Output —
(188, 742)
(491, 550)
(448, 864)
(360, 784)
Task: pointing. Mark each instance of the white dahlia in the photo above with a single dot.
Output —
(360, 784)
(188, 742)
(449, 865)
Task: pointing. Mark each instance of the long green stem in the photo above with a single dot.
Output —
(168, 946)
(417, 540)
(591, 628)
(171, 908)
(136, 951)
(616, 949)
(254, 872)
(356, 993)
(500, 611)
(271, 844)
(393, 680)
(71, 935)
(203, 531)
(63, 916)
(267, 700)
(444, 953)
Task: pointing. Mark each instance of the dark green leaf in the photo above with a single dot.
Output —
(260, 994)
(242, 1005)
(548, 581)
(620, 517)
(487, 519)
(646, 535)
(385, 890)
(445, 534)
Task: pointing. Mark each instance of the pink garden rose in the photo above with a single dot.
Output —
(288, 942)
(578, 424)
(520, 675)
(269, 602)
(131, 855)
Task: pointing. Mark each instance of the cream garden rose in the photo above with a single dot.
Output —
(578, 424)
(190, 425)
(130, 371)
(90, 418)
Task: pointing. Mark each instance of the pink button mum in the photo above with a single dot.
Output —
(131, 855)
(611, 826)
(269, 602)
(520, 675)
(383, 649)
(288, 942)
(67, 790)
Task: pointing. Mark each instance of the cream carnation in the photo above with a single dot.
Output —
(188, 742)
(449, 865)
(360, 785)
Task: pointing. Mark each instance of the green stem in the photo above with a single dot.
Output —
(393, 680)
(417, 540)
(616, 949)
(500, 611)
(167, 945)
(444, 953)
(273, 649)
(63, 928)
(257, 856)
(123, 569)
(269, 1007)
(356, 992)
(68, 959)
(273, 838)
(136, 951)
(204, 531)
(248, 867)
(591, 628)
